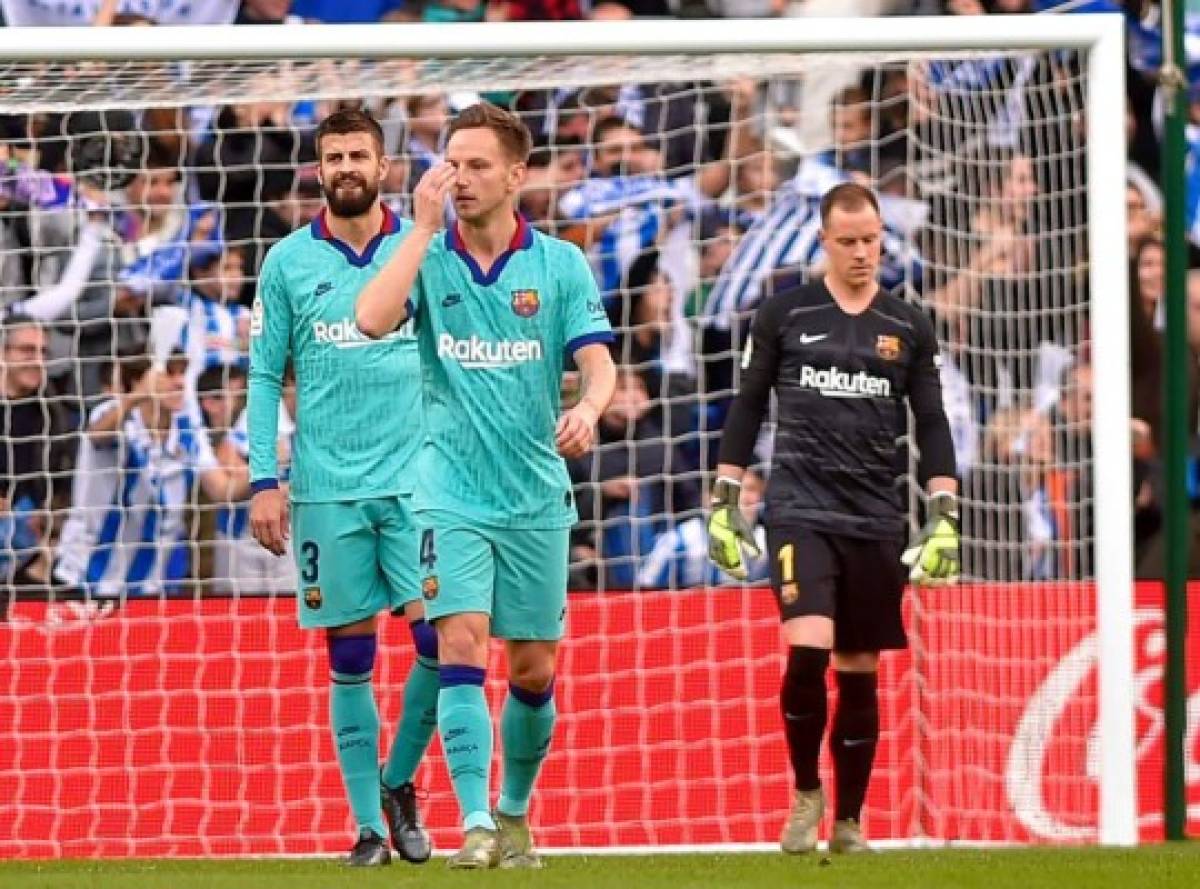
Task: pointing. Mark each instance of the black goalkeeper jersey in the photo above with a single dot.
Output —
(841, 382)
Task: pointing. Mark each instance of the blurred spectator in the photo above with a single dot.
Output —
(218, 329)
(649, 320)
(717, 234)
(610, 10)
(427, 117)
(32, 436)
(785, 239)
(549, 173)
(221, 394)
(1147, 279)
(262, 12)
(141, 450)
(88, 12)
(248, 166)
(627, 204)
(1143, 209)
(986, 276)
(160, 230)
(629, 482)
(449, 11)
(355, 11)
(240, 564)
(680, 555)
(540, 10)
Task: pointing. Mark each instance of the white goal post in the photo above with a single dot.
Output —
(714, 45)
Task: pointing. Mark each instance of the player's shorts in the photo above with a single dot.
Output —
(517, 576)
(354, 559)
(857, 583)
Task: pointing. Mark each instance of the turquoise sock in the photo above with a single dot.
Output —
(466, 729)
(355, 723)
(526, 727)
(417, 723)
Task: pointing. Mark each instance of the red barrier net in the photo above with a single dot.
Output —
(200, 727)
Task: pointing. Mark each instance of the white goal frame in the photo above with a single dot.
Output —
(1101, 37)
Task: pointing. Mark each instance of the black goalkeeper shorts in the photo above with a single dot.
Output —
(859, 584)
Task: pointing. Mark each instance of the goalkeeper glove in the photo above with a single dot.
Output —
(728, 530)
(933, 554)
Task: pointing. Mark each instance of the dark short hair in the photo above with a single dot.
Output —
(349, 120)
(609, 124)
(15, 321)
(848, 196)
(127, 366)
(215, 380)
(510, 130)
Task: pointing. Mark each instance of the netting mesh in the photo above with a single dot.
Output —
(135, 209)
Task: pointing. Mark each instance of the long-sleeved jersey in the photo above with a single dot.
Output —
(841, 381)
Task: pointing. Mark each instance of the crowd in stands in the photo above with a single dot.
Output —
(130, 243)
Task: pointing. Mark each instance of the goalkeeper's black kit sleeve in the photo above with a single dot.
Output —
(842, 382)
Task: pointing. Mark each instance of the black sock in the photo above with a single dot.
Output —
(853, 739)
(802, 700)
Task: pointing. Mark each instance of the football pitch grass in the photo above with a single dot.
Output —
(1159, 867)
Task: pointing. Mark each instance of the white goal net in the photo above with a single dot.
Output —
(156, 697)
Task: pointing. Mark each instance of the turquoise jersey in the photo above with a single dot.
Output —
(358, 416)
(492, 348)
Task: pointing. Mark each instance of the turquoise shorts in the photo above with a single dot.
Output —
(354, 559)
(516, 576)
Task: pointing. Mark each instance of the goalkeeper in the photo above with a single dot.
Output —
(843, 356)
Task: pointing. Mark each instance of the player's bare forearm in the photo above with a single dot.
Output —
(731, 471)
(576, 430)
(599, 376)
(384, 303)
(226, 484)
(942, 484)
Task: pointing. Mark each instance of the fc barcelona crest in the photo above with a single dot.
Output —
(526, 303)
(430, 587)
(312, 597)
(789, 593)
(887, 347)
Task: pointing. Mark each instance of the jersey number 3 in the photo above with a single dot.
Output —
(310, 553)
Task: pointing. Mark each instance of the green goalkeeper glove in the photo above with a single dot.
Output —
(933, 554)
(728, 530)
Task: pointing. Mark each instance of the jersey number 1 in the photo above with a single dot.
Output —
(787, 564)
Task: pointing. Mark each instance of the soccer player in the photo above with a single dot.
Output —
(496, 305)
(358, 431)
(843, 356)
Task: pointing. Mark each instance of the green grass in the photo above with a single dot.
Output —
(1159, 867)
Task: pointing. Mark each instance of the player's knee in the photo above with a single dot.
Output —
(460, 643)
(534, 676)
(532, 697)
(351, 656)
(425, 639)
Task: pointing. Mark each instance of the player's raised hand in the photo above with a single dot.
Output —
(429, 197)
(576, 430)
(269, 520)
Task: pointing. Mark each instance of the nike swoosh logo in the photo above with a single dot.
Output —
(452, 300)
(857, 742)
(807, 338)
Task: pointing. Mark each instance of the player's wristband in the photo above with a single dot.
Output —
(727, 492)
(264, 484)
(943, 504)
